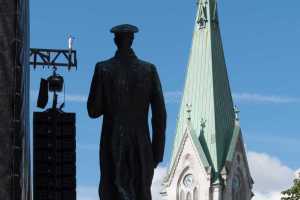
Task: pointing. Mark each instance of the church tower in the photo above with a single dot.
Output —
(209, 160)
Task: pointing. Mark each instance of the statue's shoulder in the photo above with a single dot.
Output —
(145, 65)
(105, 64)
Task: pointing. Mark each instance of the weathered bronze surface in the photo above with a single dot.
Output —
(122, 90)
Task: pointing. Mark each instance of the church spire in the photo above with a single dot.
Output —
(207, 89)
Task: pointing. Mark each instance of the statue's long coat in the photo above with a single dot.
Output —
(122, 90)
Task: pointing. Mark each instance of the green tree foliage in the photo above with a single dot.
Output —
(293, 193)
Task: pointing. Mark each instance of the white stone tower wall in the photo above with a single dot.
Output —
(238, 167)
(189, 163)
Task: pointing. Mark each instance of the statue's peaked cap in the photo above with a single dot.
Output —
(124, 28)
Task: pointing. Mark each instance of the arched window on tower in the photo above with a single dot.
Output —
(238, 186)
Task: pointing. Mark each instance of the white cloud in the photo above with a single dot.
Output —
(76, 98)
(267, 196)
(175, 97)
(268, 172)
(259, 98)
(170, 97)
(271, 177)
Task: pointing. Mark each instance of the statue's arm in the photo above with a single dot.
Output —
(159, 118)
(94, 103)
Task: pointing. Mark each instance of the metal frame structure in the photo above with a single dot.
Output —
(52, 57)
(54, 154)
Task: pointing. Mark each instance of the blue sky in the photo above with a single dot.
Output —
(261, 43)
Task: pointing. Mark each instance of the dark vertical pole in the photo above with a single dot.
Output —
(14, 100)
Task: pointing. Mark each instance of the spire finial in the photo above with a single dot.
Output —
(237, 113)
(203, 15)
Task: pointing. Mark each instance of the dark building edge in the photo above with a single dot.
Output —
(26, 165)
(14, 100)
(24, 169)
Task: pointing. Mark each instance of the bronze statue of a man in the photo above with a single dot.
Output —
(122, 90)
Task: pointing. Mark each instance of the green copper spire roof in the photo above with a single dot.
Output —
(207, 90)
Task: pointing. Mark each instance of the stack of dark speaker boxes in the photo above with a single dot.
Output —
(54, 170)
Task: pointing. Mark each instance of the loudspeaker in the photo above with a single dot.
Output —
(54, 156)
(43, 94)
